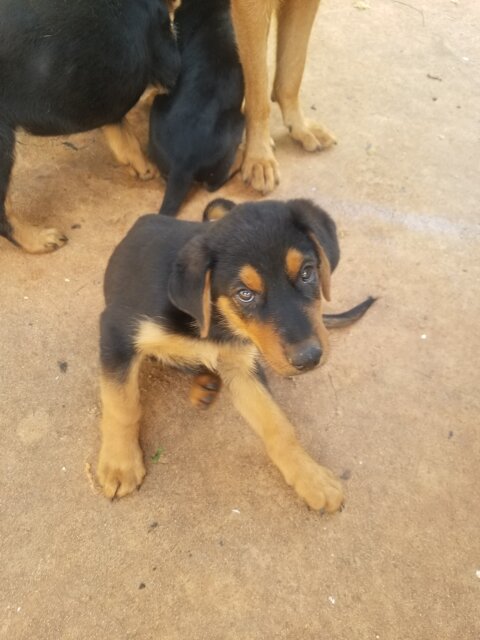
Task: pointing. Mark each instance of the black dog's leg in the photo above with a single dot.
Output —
(178, 186)
(7, 148)
(29, 238)
(126, 149)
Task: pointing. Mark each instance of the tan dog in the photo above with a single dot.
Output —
(251, 20)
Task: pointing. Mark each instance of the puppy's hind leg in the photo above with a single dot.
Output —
(126, 149)
(295, 20)
(205, 389)
(30, 238)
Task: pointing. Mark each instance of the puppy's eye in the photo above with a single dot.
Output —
(308, 273)
(245, 296)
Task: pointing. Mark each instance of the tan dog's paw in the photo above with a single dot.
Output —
(319, 488)
(205, 389)
(261, 172)
(312, 136)
(120, 469)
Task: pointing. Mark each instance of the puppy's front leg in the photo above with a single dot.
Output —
(120, 466)
(314, 483)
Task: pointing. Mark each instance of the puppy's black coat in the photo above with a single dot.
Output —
(196, 129)
(71, 66)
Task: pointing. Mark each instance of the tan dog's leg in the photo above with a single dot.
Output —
(295, 20)
(251, 20)
(126, 149)
(312, 482)
(120, 465)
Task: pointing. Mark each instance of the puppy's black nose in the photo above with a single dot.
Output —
(305, 356)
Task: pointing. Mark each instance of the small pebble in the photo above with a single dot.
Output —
(477, 573)
(331, 599)
(63, 366)
(423, 336)
(235, 510)
(141, 585)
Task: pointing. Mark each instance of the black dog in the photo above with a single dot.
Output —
(67, 67)
(215, 298)
(196, 130)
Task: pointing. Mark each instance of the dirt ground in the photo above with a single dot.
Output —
(215, 545)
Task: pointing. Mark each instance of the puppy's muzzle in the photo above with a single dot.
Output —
(304, 355)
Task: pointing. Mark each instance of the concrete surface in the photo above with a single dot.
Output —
(215, 546)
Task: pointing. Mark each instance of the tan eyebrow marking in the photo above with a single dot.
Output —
(251, 278)
(293, 263)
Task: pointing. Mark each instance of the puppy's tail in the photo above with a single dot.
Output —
(178, 186)
(339, 320)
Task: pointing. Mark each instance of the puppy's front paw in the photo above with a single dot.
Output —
(312, 136)
(319, 487)
(205, 389)
(120, 469)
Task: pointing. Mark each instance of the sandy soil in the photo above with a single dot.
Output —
(215, 546)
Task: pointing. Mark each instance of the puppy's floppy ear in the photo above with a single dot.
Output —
(189, 283)
(216, 209)
(322, 230)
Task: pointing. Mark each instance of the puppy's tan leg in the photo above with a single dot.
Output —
(251, 20)
(295, 20)
(312, 482)
(120, 465)
(35, 239)
(126, 149)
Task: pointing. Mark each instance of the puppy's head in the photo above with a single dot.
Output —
(259, 274)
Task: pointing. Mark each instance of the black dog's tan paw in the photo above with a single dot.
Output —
(120, 469)
(35, 240)
(205, 389)
(319, 488)
(143, 169)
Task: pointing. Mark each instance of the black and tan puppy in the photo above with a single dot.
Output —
(67, 67)
(218, 298)
(196, 130)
